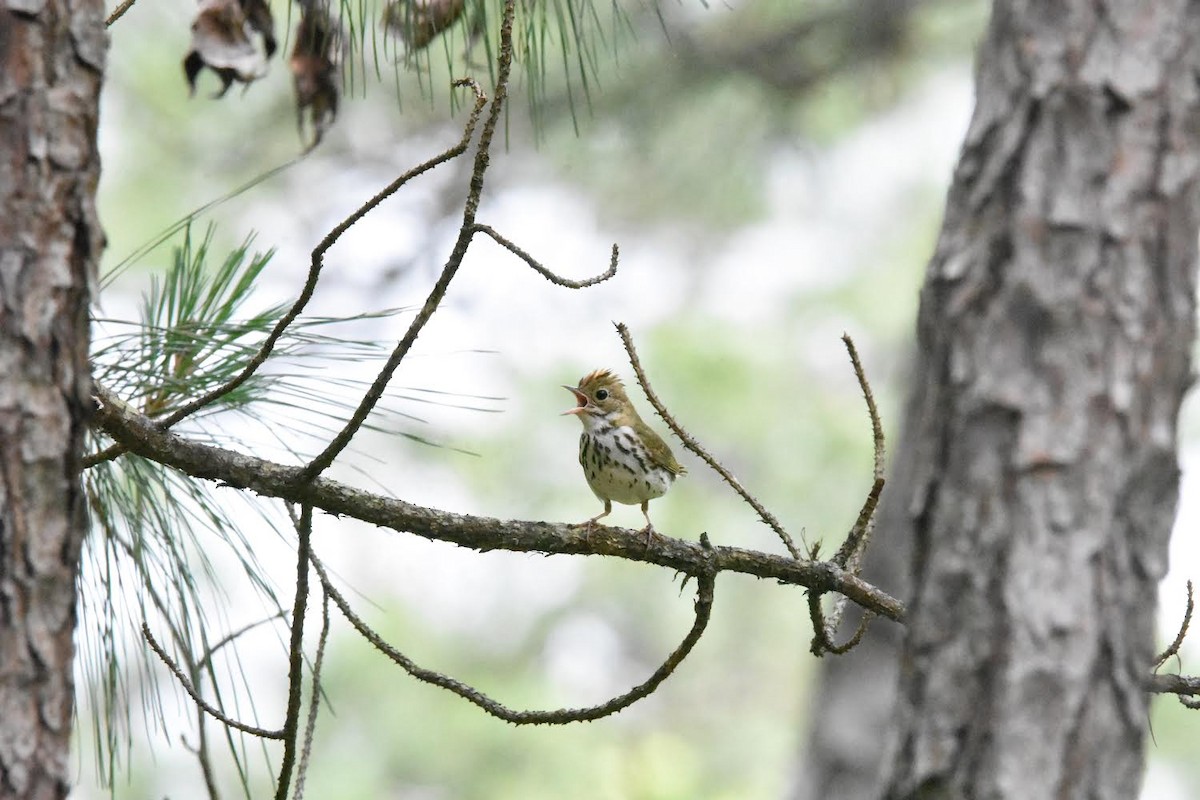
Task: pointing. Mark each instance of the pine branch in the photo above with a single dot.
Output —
(139, 435)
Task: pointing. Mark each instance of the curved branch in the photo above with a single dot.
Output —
(872, 409)
(849, 555)
(141, 436)
(537, 267)
(824, 630)
(1173, 648)
(691, 444)
(200, 702)
(704, 599)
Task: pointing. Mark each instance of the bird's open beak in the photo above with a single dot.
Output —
(580, 399)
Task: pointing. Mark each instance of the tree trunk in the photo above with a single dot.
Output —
(51, 61)
(1056, 324)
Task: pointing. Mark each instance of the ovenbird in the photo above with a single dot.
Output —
(622, 458)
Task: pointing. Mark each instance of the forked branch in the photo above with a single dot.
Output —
(1186, 688)
(849, 556)
(1173, 648)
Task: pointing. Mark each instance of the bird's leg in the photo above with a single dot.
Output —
(649, 529)
(587, 526)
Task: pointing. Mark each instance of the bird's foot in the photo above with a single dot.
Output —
(587, 529)
(649, 531)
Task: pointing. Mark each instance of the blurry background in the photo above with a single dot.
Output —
(773, 172)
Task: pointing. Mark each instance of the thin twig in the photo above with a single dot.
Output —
(872, 410)
(202, 755)
(465, 233)
(824, 631)
(118, 12)
(691, 444)
(1185, 687)
(849, 555)
(703, 608)
(537, 267)
(1173, 649)
(107, 454)
(291, 724)
(234, 636)
(212, 711)
(314, 699)
(112, 451)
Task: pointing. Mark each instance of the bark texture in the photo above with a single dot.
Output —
(51, 61)
(1056, 325)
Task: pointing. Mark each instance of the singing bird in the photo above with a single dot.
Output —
(621, 457)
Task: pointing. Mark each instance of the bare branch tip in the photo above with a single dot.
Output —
(1173, 648)
(693, 445)
(194, 693)
(537, 267)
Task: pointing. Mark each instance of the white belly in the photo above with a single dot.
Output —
(619, 469)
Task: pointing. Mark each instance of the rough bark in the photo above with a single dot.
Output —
(1055, 330)
(51, 60)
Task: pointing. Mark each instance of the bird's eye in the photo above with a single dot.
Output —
(602, 394)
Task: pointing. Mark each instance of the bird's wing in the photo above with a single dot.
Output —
(661, 454)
